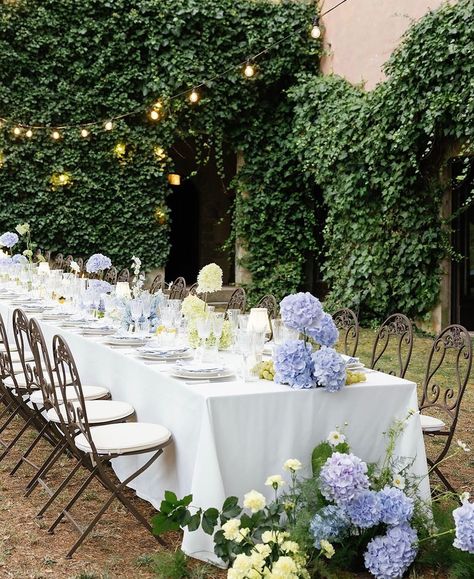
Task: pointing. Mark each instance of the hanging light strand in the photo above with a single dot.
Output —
(155, 112)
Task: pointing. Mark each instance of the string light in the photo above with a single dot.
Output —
(194, 96)
(315, 30)
(56, 135)
(108, 126)
(154, 115)
(84, 133)
(29, 133)
(17, 131)
(249, 70)
(159, 153)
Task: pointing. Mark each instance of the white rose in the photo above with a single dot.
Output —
(290, 547)
(327, 549)
(274, 537)
(231, 529)
(254, 501)
(274, 481)
(285, 566)
(292, 465)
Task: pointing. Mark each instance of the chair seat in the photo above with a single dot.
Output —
(21, 381)
(431, 424)
(98, 411)
(125, 437)
(15, 356)
(90, 393)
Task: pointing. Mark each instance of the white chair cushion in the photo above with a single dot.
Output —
(431, 424)
(124, 437)
(98, 411)
(21, 380)
(90, 393)
(17, 360)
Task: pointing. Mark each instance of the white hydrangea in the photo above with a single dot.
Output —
(209, 279)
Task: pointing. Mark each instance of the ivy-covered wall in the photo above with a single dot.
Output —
(374, 154)
(68, 62)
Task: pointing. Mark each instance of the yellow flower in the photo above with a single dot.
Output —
(23, 228)
(327, 549)
(292, 465)
(290, 547)
(209, 279)
(254, 501)
(231, 529)
(274, 481)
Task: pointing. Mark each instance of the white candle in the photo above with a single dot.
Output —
(258, 320)
(43, 268)
(122, 289)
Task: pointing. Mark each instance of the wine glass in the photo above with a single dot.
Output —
(136, 309)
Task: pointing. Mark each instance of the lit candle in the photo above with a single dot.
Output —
(258, 320)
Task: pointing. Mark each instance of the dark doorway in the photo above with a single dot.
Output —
(183, 203)
(462, 279)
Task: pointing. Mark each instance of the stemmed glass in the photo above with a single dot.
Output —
(136, 310)
(203, 326)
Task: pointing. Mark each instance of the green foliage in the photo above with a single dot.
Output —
(376, 156)
(67, 62)
(170, 565)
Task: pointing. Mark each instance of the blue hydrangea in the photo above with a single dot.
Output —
(343, 476)
(329, 369)
(330, 523)
(301, 311)
(294, 365)
(396, 507)
(464, 520)
(327, 334)
(389, 556)
(364, 509)
(98, 262)
(18, 258)
(98, 286)
(8, 239)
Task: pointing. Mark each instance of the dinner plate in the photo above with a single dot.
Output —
(355, 367)
(181, 373)
(51, 316)
(98, 331)
(166, 355)
(125, 341)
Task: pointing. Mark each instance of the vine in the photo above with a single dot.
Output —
(376, 156)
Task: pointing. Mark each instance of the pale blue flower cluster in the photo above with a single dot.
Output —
(327, 334)
(98, 262)
(294, 365)
(364, 509)
(18, 258)
(98, 286)
(389, 556)
(301, 311)
(8, 239)
(342, 476)
(464, 521)
(396, 507)
(329, 369)
(330, 523)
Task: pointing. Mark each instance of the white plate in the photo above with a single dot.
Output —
(128, 341)
(169, 356)
(98, 331)
(180, 373)
(355, 367)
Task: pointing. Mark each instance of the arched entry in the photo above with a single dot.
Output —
(200, 215)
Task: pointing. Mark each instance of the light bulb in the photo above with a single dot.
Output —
(29, 133)
(194, 96)
(62, 179)
(154, 115)
(17, 131)
(315, 31)
(249, 70)
(84, 133)
(108, 126)
(55, 135)
(158, 105)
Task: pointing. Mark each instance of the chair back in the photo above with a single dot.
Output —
(68, 376)
(397, 330)
(178, 289)
(6, 364)
(270, 304)
(237, 300)
(22, 341)
(157, 283)
(348, 325)
(124, 275)
(43, 370)
(80, 263)
(111, 275)
(67, 261)
(58, 262)
(447, 374)
(192, 291)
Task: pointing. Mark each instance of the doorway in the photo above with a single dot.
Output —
(462, 279)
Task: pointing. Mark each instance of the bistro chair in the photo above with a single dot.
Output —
(447, 373)
(397, 329)
(348, 326)
(123, 275)
(177, 290)
(192, 291)
(157, 283)
(80, 263)
(237, 300)
(67, 261)
(270, 304)
(55, 400)
(103, 443)
(58, 262)
(111, 275)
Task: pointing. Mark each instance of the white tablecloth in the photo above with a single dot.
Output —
(229, 436)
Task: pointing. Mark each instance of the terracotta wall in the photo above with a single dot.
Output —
(360, 35)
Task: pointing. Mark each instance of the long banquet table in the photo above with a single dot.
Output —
(229, 436)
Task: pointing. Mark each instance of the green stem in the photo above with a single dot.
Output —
(437, 535)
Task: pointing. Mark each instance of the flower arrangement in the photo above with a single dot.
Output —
(194, 308)
(295, 362)
(97, 263)
(138, 280)
(74, 267)
(9, 239)
(347, 517)
(209, 279)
